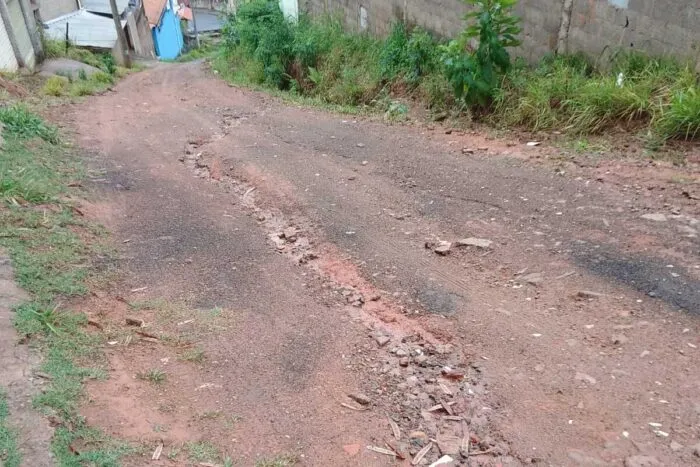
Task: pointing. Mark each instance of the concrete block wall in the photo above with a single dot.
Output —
(598, 27)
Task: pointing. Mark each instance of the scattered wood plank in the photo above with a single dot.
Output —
(357, 409)
(394, 429)
(386, 452)
(157, 452)
(421, 454)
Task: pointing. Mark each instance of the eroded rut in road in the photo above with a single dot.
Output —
(445, 413)
(320, 244)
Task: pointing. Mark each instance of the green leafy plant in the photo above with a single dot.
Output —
(475, 74)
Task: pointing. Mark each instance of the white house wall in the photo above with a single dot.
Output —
(8, 62)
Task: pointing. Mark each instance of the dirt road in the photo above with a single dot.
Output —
(570, 335)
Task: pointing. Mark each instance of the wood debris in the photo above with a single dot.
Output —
(395, 429)
(386, 452)
(157, 452)
(422, 453)
(357, 409)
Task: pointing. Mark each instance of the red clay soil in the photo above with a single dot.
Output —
(303, 249)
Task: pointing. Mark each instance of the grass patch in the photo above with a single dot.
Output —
(20, 122)
(567, 93)
(153, 376)
(149, 304)
(202, 451)
(9, 453)
(316, 62)
(52, 251)
(194, 355)
(282, 460)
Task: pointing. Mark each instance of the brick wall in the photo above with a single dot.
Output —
(668, 27)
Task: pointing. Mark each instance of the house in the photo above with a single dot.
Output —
(47, 10)
(20, 43)
(92, 26)
(165, 26)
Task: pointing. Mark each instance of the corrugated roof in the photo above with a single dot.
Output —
(154, 10)
(85, 29)
(102, 6)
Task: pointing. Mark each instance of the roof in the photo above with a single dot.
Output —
(85, 29)
(102, 6)
(154, 10)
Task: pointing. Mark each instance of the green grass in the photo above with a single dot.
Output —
(9, 453)
(194, 355)
(149, 304)
(282, 460)
(315, 62)
(52, 250)
(153, 376)
(18, 121)
(566, 93)
(202, 451)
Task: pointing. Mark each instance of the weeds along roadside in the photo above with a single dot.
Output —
(56, 253)
(315, 59)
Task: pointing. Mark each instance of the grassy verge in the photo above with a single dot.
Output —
(9, 453)
(53, 249)
(319, 61)
(81, 83)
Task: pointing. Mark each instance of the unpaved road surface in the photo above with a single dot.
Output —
(571, 339)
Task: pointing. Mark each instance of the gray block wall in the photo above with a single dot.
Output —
(598, 27)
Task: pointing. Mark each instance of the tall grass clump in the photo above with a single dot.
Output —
(636, 93)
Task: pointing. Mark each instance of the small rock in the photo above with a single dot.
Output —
(290, 234)
(644, 353)
(444, 461)
(404, 361)
(443, 248)
(381, 339)
(642, 461)
(449, 445)
(588, 295)
(360, 145)
(420, 359)
(418, 437)
(365, 162)
(620, 339)
(676, 446)
(375, 297)
(656, 217)
(533, 143)
(584, 378)
(696, 449)
(534, 278)
(476, 242)
(400, 353)
(444, 349)
(360, 398)
(467, 151)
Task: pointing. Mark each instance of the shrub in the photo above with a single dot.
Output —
(475, 75)
(56, 86)
(408, 56)
(262, 31)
